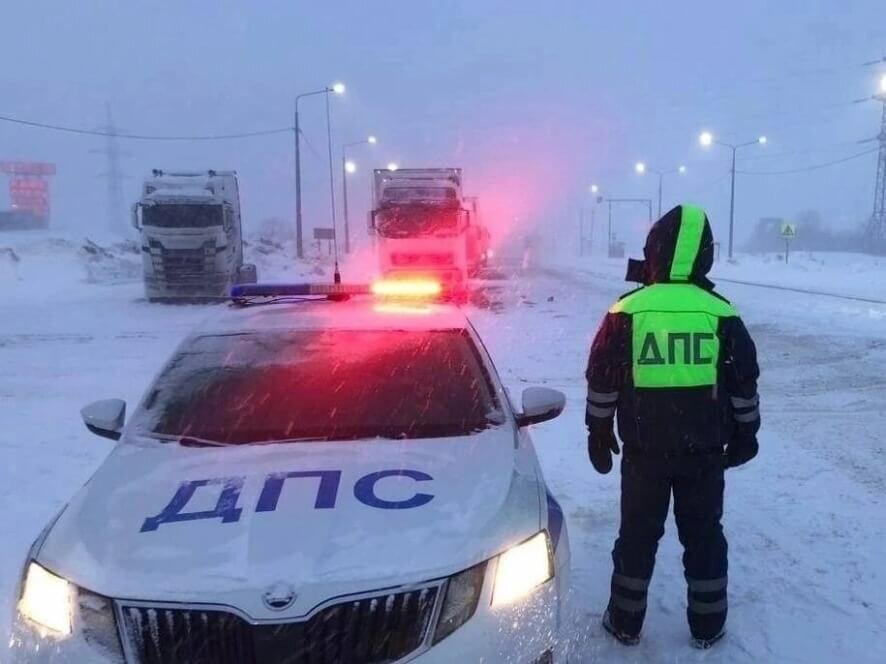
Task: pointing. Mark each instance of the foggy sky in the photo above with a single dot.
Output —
(535, 100)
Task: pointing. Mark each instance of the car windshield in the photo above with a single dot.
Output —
(321, 385)
(182, 216)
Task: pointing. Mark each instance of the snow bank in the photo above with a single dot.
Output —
(52, 264)
(838, 273)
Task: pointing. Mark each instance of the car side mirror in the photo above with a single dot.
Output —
(540, 404)
(105, 418)
(134, 217)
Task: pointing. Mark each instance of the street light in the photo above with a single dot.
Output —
(595, 193)
(349, 167)
(336, 88)
(641, 168)
(706, 139)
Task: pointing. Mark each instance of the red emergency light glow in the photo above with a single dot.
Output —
(401, 308)
(409, 288)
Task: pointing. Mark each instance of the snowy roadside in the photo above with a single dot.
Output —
(839, 273)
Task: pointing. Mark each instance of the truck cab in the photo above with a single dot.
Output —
(419, 220)
(191, 235)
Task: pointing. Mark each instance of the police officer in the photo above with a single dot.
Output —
(676, 363)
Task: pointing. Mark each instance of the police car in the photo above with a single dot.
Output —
(334, 479)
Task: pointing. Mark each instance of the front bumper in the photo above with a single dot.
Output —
(524, 633)
(527, 632)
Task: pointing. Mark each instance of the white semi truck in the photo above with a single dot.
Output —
(420, 219)
(191, 235)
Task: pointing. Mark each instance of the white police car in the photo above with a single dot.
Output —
(309, 482)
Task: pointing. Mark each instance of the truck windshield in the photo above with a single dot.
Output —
(182, 216)
(321, 385)
(420, 194)
(413, 220)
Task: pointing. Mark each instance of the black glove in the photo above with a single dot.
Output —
(741, 450)
(601, 445)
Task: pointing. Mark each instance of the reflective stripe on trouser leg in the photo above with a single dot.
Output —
(597, 411)
(629, 593)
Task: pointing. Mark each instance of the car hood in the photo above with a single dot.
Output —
(429, 508)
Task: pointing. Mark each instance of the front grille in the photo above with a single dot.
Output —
(363, 631)
(181, 265)
(418, 260)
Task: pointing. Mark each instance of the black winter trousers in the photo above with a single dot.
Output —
(646, 486)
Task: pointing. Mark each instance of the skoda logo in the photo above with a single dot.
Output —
(279, 596)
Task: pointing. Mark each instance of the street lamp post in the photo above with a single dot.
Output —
(706, 139)
(645, 201)
(348, 167)
(594, 190)
(641, 168)
(337, 88)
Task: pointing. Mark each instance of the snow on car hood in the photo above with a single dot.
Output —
(221, 525)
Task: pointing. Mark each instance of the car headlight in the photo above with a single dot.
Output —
(462, 594)
(521, 569)
(47, 600)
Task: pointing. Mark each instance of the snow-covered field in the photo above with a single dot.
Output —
(805, 520)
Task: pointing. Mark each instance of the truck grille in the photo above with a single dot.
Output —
(402, 259)
(385, 628)
(182, 265)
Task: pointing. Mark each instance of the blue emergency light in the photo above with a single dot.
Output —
(240, 291)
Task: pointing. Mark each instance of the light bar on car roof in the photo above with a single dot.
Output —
(297, 290)
(388, 289)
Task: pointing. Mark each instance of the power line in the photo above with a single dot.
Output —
(811, 168)
(143, 137)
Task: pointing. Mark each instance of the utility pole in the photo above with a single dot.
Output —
(877, 225)
(115, 212)
(581, 231)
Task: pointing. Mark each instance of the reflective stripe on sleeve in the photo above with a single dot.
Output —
(752, 416)
(740, 402)
(602, 397)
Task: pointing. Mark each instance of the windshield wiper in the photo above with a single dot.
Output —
(190, 441)
(303, 439)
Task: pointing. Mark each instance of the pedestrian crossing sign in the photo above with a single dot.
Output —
(788, 231)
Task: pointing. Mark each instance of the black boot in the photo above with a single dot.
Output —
(623, 638)
(707, 644)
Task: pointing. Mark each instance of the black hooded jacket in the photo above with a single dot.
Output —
(672, 357)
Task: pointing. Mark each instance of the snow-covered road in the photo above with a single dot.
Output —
(805, 520)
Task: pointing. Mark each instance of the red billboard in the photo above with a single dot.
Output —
(29, 186)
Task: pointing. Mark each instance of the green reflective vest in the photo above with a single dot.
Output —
(674, 329)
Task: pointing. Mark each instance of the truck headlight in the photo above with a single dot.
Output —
(521, 569)
(47, 600)
(462, 593)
